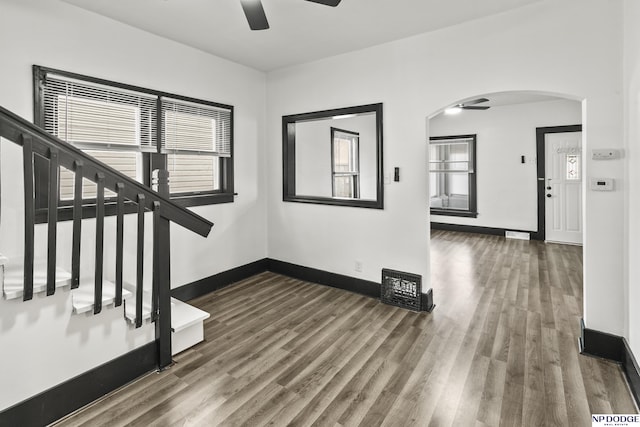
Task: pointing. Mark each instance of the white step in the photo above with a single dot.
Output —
(187, 323)
(130, 307)
(13, 278)
(82, 297)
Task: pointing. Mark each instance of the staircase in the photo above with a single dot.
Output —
(186, 321)
(177, 324)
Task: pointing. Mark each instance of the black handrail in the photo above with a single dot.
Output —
(61, 154)
(12, 127)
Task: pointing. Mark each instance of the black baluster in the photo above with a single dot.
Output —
(29, 215)
(97, 295)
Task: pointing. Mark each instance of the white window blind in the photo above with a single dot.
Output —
(192, 173)
(128, 162)
(87, 114)
(112, 125)
(119, 125)
(195, 128)
(194, 137)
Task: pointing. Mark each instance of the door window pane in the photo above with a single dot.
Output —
(573, 166)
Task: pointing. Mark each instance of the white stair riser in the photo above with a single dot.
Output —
(187, 323)
(187, 337)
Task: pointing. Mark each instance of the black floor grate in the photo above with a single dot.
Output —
(401, 289)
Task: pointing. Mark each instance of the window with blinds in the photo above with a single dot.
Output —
(121, 125)
(114, 126)
(88, 114)
(194, 137)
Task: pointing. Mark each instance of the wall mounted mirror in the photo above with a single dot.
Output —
(334, 157)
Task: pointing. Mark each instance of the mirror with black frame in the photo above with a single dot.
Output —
(334, 157)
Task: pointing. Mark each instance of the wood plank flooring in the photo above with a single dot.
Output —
(500, 349)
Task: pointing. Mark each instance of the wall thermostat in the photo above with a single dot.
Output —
(605, 154)
(601, 184)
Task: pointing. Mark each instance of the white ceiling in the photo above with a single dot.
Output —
(301, 31)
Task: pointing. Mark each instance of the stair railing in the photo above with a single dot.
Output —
(35, 141)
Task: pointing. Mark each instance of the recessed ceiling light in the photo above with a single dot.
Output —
(453, 110)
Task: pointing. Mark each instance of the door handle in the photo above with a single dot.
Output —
(548, 195)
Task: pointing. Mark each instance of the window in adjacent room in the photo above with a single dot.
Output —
(452, 187)
(136, 130)
(345, 163)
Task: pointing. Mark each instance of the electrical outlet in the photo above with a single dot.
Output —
(358, 266)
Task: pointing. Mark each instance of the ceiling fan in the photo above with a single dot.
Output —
(258, 20)
(471, 105)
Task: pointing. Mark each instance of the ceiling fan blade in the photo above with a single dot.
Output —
(471, 107)
(332, 3)
(475, 101)
(255, 14)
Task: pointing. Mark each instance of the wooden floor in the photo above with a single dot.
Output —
(500, 349)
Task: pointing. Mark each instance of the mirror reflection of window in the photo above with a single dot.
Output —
(334, 157)
(345, 163)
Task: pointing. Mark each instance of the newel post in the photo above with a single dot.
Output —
(162, 273)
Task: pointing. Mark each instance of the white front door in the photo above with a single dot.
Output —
(563, 187)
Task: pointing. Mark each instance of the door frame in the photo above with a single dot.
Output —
(541, 132)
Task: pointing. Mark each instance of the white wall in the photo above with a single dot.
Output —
(569, 47)
(57, 35)
(506, 188)
(632, 154)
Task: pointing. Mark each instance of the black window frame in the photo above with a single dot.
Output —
(150, 160)
(472, 212)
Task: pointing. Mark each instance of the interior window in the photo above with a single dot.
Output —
(452, 186)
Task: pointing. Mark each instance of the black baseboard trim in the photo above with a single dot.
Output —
(71, 395)
(601, 344)
(226, 278)
(614, 348)
(308, 274)
(479, 230)
(631, 369)
(219, 281)
(426, 303)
